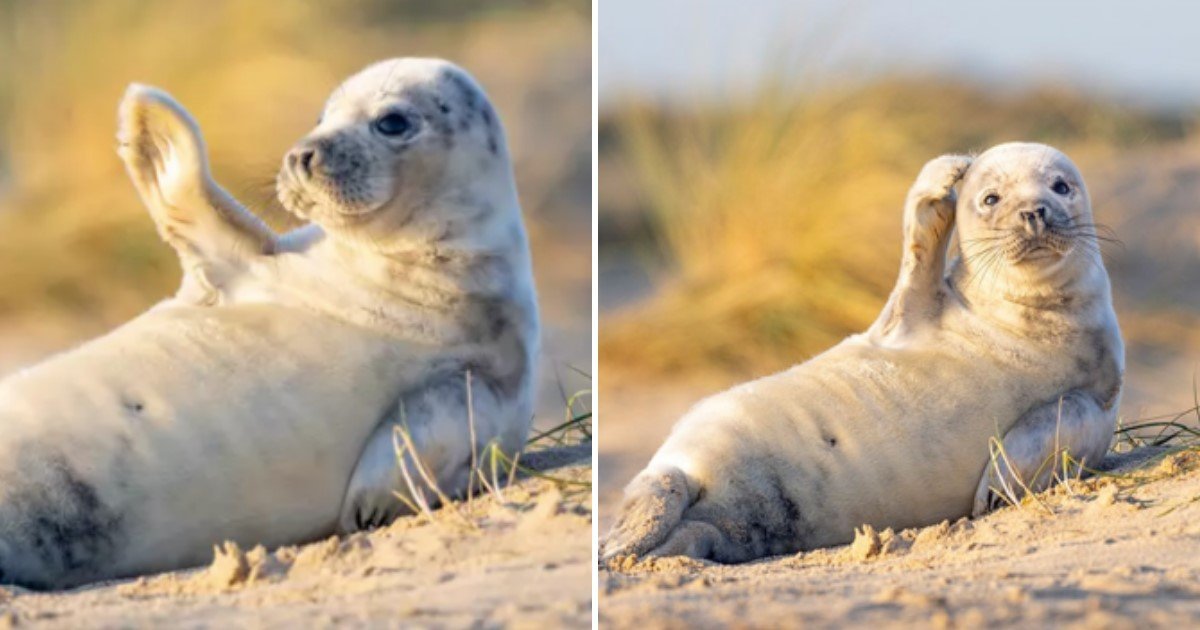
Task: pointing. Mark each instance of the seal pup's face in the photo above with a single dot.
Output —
(406, 149)
(1024, 206)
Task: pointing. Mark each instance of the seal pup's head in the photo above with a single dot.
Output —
(406, 151)
(1024, 215)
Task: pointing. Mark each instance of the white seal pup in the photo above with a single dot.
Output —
(257, 416)
(415, 231)
(892, 427)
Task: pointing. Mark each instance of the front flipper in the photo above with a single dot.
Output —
(928, 221)
(370, 499)
(164, 154)
(436, 421)
(1032, 454)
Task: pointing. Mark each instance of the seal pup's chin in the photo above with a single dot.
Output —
(1042, 250)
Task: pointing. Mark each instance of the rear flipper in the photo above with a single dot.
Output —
(654, 505)
(1033, 453)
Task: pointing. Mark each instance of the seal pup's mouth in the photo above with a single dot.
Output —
(1052, 244)
(306, 194)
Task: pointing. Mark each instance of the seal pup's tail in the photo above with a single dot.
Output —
(654, 504)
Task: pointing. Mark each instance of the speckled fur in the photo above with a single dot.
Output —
(418, 236)
(258, 405)
(891, 427)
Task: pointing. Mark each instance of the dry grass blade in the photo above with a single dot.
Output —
(426, 476)
(415, 500)
(474, 444)
(1007, 491)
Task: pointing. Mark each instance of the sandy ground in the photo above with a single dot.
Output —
(522, 559)
(1111, 552)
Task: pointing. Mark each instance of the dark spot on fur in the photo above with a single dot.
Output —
(1098, 367)
(939, 302)
(831, 441)
(66, 527)
(763, 518)
(467, 92)
(436, 112)
(134, 405)
(492, 129)
(475, 104)
(496, 318)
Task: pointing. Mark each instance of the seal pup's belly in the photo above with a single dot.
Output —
(186, 427)
(858, 435)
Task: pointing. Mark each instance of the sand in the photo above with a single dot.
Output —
(523, 559)
(1108, 553)
(1111, 553)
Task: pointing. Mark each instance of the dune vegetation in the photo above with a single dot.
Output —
(77, 244)
(777, 217)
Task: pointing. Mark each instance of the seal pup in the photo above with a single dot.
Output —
(891, 427)
(256, 415)
(415, 230)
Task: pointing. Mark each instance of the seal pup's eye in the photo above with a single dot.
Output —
(1060, 187)
(991, 200)
(393, 124)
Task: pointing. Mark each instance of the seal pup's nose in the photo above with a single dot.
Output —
(303, 159)
(1035, 220)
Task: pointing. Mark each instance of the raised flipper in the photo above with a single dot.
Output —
(1032, 457)
(164, 154)
(928, 221)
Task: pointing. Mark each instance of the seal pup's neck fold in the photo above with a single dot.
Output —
(1011, 301)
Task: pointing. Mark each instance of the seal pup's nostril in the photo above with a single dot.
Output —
(302, 160)
(1035, 220)
(306, 160)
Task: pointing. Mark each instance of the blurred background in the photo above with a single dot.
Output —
(78, 253)
(755, 154)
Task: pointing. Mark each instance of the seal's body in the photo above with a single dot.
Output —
(892, 427)
(262, 403)
(138, 451)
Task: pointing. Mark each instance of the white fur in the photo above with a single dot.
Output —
(259, 405)
(891, 427)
